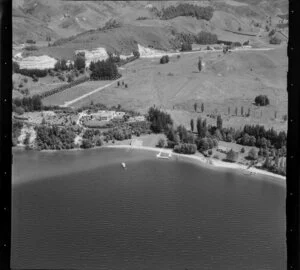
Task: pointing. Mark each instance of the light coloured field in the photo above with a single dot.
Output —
(73, 92)
(232, 80)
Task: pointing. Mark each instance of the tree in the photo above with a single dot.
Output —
(242, 110)
(202, 107)
(192, 124)
(202, 145)
(248, 112)
(261, 100)
(275, 40)
(36, 103)
(236, 111)
(219, 122)
(186, 47)
(232, 156)
(164, 59)
(195, 106)
(185, 148)
(275, 114)
(267, 163)
(161, 143)
(199, 126)
(252, 154)
(136, 54)
(79, 62)
(200, 64)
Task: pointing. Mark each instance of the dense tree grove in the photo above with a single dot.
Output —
(185, 148)
(160, 121)
(206, 38)
(186, 47)
(29, 104)
(232, 156)
(61, 65)
(54, 137)
(261, 100)
(103, 70)
(201, 13)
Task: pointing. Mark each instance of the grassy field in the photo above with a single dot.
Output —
(231, 80)
(73, 92)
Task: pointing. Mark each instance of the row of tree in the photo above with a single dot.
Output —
(201, 13)
(27, 104)
(104, 69)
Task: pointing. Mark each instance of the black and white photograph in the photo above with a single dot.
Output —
(149, 135)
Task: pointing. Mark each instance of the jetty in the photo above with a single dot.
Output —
(164, 155)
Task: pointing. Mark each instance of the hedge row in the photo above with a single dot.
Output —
(64, 87)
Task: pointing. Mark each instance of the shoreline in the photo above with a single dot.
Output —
(204, 161)
(212, 163)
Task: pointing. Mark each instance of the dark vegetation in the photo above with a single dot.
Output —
(206, 38)
(164, 59)
(261, 100)
(104, 70)
(16, 131)
(275, 40)
(185, 47)
(54, 138)
(27, 104)
(204, 13)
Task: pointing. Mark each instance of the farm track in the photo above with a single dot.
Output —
(68, 103)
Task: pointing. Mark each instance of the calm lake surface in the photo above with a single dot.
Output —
(82, 210)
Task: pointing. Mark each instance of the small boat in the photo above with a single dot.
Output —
(123, 165)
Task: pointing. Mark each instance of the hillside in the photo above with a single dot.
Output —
(39, 19)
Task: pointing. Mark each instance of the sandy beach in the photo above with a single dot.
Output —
(209, 162)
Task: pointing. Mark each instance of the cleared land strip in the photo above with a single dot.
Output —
(66, 104)
(206, 51)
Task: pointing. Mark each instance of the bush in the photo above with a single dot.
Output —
(243, 150)
(252, 154)
(185, 148)
(30, 41)
(164, 59)
(185, 47)
(61, 77)
(262, 100)
(275, 40)
(210, 152)
(31, 48)
(86, 144)
(161, 143)
(232, 156)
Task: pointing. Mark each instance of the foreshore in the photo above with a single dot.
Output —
(210, 162)
(205, 161)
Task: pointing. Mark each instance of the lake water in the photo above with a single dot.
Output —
(82, 210)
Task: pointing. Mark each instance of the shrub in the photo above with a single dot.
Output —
(31, 48)
(161, 143)
(216, 156)
(261, 100)
(252, 154)
(243, 150)
(210, 152)
(136, 54)
(79, 62)
(232, 156)
(185, 148)
(86, 144)
(164, 59)
(186, 47)
(275, 40)
(19, 110)
(61, 77)
(30, 41)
